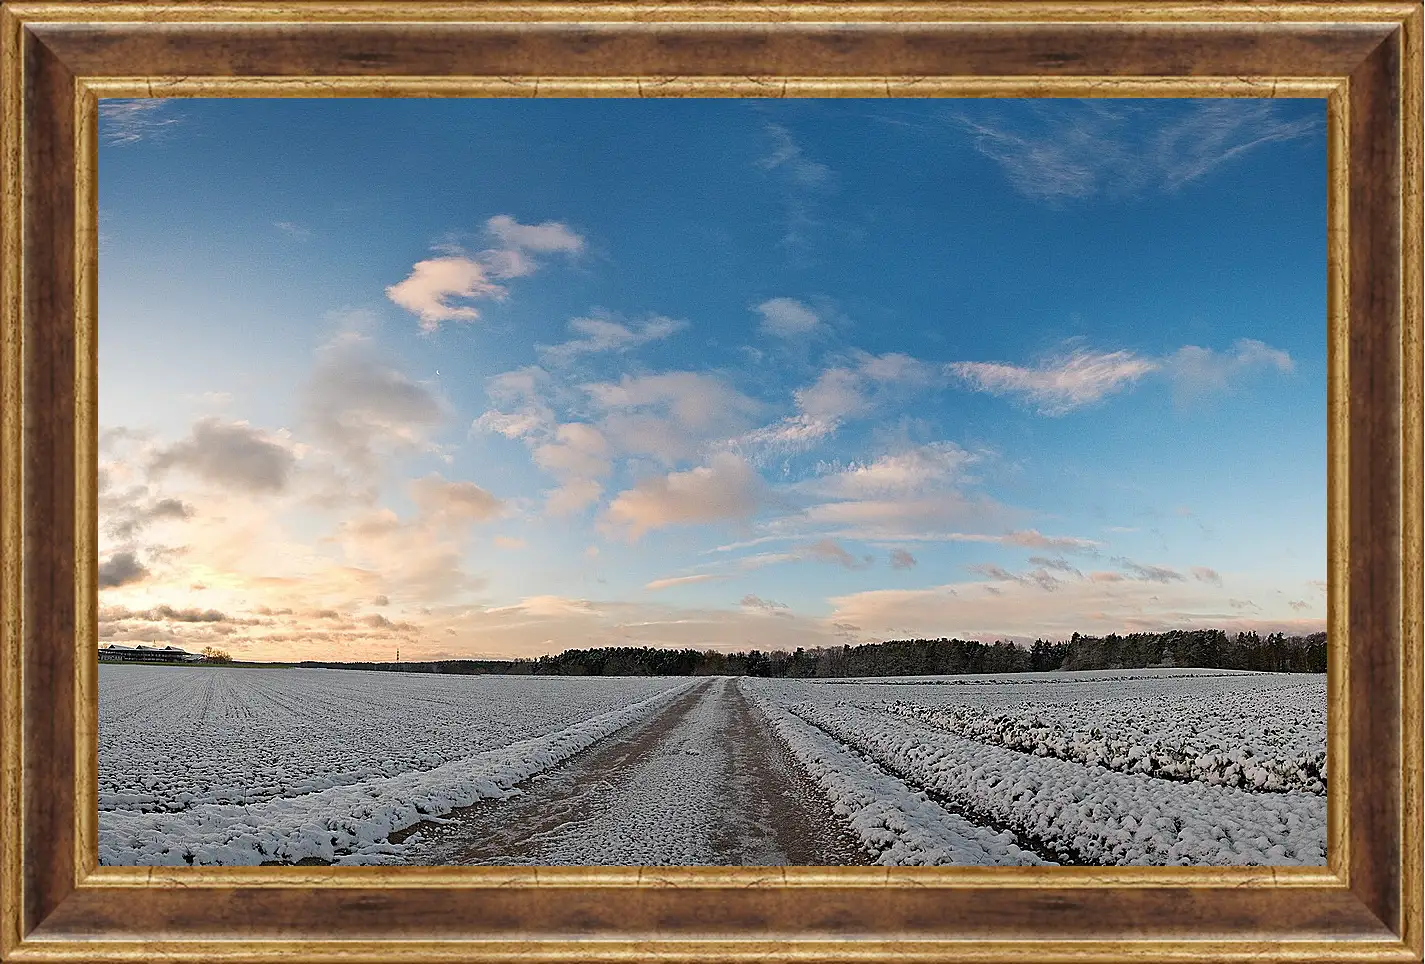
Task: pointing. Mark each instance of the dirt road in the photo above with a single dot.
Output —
(703, 782)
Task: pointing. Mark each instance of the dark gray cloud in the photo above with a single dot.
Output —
(1058, 565)
(120, 569)
(770, 606)
(186, 615)
(230, 454)
(123, 517)
(1148, 573)
(829, 550)
(1204, 574)
(900, 559)
(1040, 578)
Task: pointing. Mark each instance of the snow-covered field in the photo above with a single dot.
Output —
(238, 765)
(225, 765)
(1132, 767)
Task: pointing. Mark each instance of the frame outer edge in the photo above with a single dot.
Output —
(85, 293)
(1413, 487)
(691, 11)
(11, 480)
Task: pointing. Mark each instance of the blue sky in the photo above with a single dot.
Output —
(506, 377)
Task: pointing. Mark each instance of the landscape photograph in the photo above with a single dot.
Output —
(712, 482)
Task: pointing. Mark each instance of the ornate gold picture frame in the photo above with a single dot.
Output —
(60, 57)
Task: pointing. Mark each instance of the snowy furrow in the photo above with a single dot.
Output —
(1236, 716)
(349, 824)
(1090, 815)
(900, 825)
(174, 737)
(1038, 731)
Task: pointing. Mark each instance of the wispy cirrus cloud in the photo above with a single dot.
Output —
(1077, 150)
(673, 581)
(853, 387)
(804, 180)
(130, 121)
(1079, 378)
(293, 230)
(1058, 385)
(604, 334)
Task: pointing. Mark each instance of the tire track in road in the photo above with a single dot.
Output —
(704, 782)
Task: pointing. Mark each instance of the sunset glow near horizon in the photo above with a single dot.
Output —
(508, 377)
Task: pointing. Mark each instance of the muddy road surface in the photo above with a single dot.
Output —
(703, 782)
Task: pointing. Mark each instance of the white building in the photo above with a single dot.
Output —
(114, 653)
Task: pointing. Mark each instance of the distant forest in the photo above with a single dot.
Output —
(1205, 648)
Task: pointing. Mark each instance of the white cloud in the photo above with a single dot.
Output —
(726, 489)
(839, 393)
(696, 400)
(577, 451)
(888, 518)
(672, 581)
(936, 464)
(428, 290)
(672, 416)
(1018, 607)
(454, 502)
(1060, 385)
(787, 318)
(893, 367)
(360, 406)
(548, 237)
(606, 335)
(578, 455)
(572, 497)
(1034, 539)
(520, 410)
(420, 558)
(835, 395)
(1199, 371)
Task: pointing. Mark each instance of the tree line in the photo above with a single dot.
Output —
(1202, 648)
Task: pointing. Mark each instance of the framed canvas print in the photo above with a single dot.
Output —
(778, 481)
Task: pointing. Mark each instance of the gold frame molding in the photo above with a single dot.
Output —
(57, 58)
